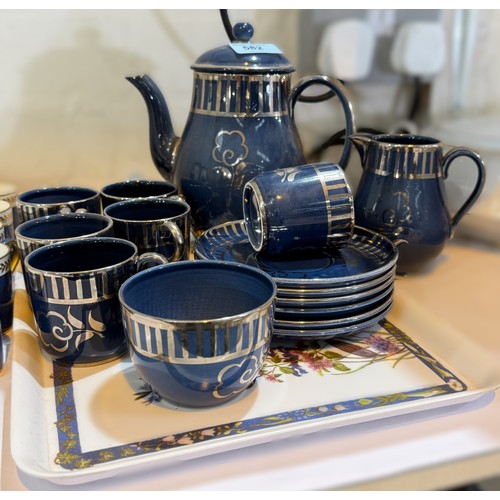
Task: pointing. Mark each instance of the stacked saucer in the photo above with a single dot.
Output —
(322, 294)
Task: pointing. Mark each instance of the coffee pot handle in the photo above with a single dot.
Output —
(340, 91)
(452, 155)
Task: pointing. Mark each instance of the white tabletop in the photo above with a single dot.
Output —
(434, 449)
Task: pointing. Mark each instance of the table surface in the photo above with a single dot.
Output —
(435, 449)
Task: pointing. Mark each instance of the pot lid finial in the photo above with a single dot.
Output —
(243, 32)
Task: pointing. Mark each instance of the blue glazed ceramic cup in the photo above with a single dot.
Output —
(54, 200)
(136, 188)
(9, 257)
(42, 231)
(303, 208)
(73, 286)
(198, 331)
(160, 225)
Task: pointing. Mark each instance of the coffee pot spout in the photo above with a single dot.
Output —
(361, 142)
(162, 139)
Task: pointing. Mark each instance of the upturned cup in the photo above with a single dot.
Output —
(301, 208)
(73, 287)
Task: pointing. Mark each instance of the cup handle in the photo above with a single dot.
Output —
(341, 92)
(150, 259)
(452, 155)
(66, 209)
(14, 253)
(177, 197)
(172, 229)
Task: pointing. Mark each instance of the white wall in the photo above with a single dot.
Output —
(67, 113)
(481, 92)
(68, 116)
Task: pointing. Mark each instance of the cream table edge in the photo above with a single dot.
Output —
(442, 477)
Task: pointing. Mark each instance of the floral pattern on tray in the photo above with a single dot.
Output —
(341, 356)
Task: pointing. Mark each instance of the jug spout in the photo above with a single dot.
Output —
(361, 143)
(162, 139)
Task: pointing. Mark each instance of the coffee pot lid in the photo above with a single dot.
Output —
(241, 56)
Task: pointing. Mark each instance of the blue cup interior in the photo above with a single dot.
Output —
(57, 195)
(139, 189)
(55, 227)
(144, 210)
(81, 255)
(406, 140)
(196, 291)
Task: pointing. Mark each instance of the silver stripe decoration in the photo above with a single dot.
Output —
(93, 287)
(26, 246)
(340, 212)
(148, 339)
(191, 345)
(404, 163)
(79, 288)
(233, 95)
(237, 95)
(199, 359)
(62, 290)
(53, 287)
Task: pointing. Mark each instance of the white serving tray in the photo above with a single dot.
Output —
(1, 429)
(74, 426)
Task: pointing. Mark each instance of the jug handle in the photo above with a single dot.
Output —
(340, 91)
(452, 155)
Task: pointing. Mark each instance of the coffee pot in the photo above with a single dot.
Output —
(401, 193)
(240, 124)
